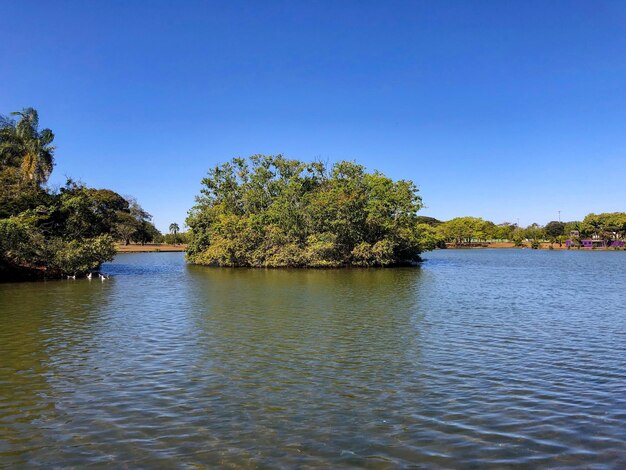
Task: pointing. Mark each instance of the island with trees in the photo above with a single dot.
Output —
(270, 211)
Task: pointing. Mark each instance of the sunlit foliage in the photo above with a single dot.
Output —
(275, 212)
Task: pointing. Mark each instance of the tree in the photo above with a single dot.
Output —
(555, 231)
(465, 230)
(126, 227)
(133, 223)
(518, 236)
(146, 233)
(422, 219)
(605, 226)
(273, 211)
(26, 160)
(504, 231)
(535, 234)
(174, 228)
(25, 148)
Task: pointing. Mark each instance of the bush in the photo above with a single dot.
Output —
(82, 256)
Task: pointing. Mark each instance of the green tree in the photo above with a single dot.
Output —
(146, 233)
(422, 219)
(518, 236)
(535, 234)
(463, 230)
(504, 231)
(26, 148)
(273, 211)
(605, 226)
(133, 223)
(174, 229)
(555, 231)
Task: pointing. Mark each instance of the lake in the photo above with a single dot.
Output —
(478, 358)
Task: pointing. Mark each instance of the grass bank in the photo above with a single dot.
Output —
(150, 248)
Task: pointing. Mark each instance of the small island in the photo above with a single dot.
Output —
(270, 211)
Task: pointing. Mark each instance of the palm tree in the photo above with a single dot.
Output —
(23, 145)
(174, 228)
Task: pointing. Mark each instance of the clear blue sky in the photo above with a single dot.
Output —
(498, 109)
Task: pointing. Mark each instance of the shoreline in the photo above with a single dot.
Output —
(151, 248)
(526, 245)
(169, 248)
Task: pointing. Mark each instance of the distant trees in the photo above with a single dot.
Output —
(504, 231)
(146, 233)
(422, 219)
(168, 238)
(134, 223)
(555, 231)
(272, 211)
(534, 233)
(463, 230)
(605, 226)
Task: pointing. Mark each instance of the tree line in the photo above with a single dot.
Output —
(467, 230)
(48, 232)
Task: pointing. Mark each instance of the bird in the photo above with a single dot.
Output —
(89, 276)
(103, 277)
(72, 277)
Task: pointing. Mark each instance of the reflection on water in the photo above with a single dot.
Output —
(499, 357)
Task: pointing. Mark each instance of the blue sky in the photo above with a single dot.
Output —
(503, 110)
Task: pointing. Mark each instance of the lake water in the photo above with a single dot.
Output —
(477, 358)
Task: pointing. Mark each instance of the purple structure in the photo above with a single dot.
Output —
(596, 243)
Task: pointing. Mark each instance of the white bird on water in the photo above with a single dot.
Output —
(103, 277)
(89, 276)
(72, 277)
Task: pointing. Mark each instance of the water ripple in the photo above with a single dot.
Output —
(480, 358)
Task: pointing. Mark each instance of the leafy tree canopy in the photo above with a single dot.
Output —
(608, 225)
(275, 212)
(467, 229)
(555, 229)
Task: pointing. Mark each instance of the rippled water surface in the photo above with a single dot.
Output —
(477, 358)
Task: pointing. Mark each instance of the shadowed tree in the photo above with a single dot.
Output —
(555, 231)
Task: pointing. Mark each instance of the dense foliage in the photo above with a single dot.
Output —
(46, 233)
(274, 212)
